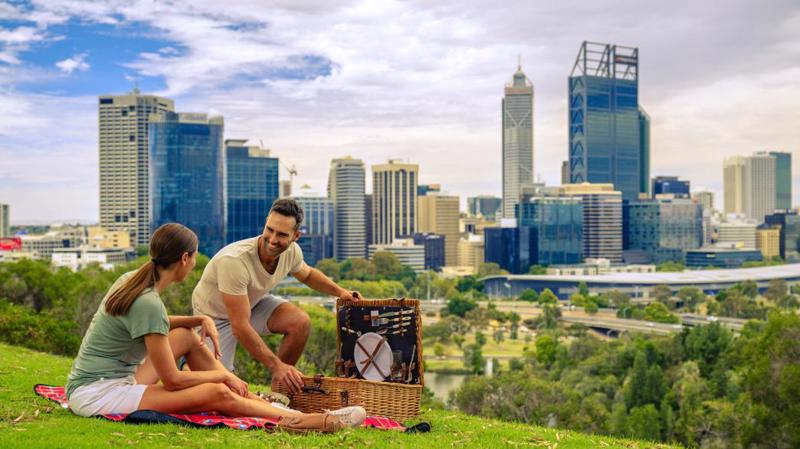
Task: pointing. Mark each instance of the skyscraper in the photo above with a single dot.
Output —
(759, 186)
(123, 151)
(783, 179)
(252, 183)
(663, 229)
(602, 219)
(670, 185)
(517, 110)
(5, 220)
(317, 228)
(439, 214)
(789, 223)
(367, 221)
(733, 185)
(704, 197)
(346, 190)
(394, 201)
(485, 205)
(187, 174)
(556, 229)
(608, 130)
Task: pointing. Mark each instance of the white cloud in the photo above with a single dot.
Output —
(424, 82)
(77, 62)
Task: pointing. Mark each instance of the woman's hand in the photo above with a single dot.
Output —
(236, 385)
(209, 330)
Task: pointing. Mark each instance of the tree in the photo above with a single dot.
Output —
(548, 297)
(670, 266)
(498, 336)
(459, 306)
(387, 265)
(691, 297)
(546, 349)
(529, 295)
(469, 283)
(776, 290)
(583, 290)
(707, 345)
(330, 268)
(771, 381)
(473, 359)
(749, 289)
(537, 269)
(618, 299)
(644, 423)
(550, 315)
(590, 307)
(438, 350)
(358, 269)
(490, 269)
(663, 293)
(658, 312)
(480, 339)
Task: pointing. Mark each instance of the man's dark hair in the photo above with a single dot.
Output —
(288, 208)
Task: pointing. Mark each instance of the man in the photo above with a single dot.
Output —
(234, 290)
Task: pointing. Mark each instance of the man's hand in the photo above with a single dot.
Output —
(209, 329)
(350, 296)
(236, 385)
(289, 376)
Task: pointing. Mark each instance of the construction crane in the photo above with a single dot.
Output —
(292, 170)
(292, 173)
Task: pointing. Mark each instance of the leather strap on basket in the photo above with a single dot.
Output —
(370, 360)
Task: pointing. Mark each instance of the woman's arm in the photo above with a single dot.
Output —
(163, 360)
(185, 321)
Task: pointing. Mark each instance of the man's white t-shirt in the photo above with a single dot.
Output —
(237, 270)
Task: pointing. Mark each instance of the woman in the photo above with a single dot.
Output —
(132, 344)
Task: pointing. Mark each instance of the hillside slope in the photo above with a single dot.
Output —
(27, 421)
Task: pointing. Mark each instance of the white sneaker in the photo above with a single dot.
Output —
(350, 416)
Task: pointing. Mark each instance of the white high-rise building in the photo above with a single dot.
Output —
(394, 201)
(124, 161)
(759, 186)
(346, 190)
(517, 109)
(749, 183)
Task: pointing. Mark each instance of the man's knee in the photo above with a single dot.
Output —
(300, 324)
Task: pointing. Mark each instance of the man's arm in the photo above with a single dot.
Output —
(323, 284)
(238, 307)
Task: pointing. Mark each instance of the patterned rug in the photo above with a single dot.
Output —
(205, 419)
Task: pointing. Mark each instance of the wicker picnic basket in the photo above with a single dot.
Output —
(399, 401)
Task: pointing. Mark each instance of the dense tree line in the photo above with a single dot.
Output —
(704, 387)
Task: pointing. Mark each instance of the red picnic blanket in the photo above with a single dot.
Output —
(205, 419)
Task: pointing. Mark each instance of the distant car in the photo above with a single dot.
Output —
(712, 318)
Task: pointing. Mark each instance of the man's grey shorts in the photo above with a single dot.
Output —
(259, 315)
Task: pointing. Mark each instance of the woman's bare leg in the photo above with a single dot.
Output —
(183, 342)
(208, 396)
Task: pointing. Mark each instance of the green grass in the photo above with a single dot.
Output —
(27, 421)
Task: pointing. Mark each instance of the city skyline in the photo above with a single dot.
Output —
(328, 92)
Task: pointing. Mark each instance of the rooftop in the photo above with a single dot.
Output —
(686, 277)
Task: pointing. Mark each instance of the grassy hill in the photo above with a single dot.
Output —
(27, 421)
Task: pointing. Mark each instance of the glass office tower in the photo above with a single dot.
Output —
(556, 229)
(187, 176)
(783, 180)
(252, 182)
(608, 130)
(317, 229)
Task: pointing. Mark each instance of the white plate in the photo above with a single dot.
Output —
(383, 358)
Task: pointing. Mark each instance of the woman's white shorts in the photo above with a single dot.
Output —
(107, 396)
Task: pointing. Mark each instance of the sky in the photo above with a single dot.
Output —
(419, 81)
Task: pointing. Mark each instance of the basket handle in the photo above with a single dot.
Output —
(317, 387)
